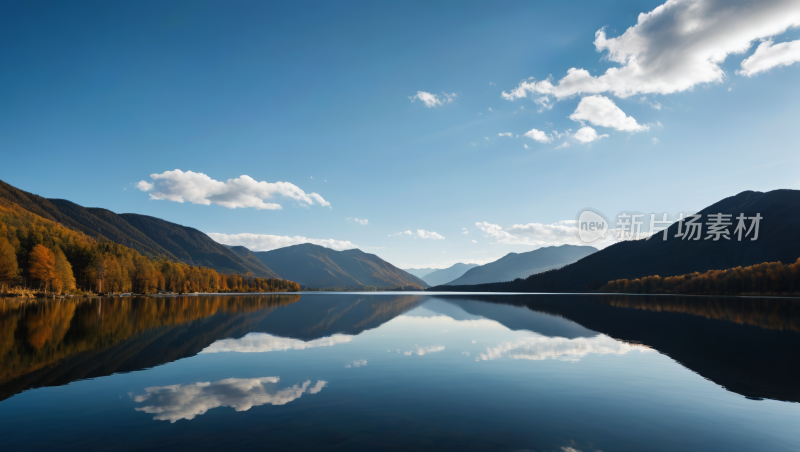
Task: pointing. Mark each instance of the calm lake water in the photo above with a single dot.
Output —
(401, 372)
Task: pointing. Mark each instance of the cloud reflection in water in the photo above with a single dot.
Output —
(176, 402)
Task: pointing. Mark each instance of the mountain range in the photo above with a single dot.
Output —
(318, 267)
(149, 236)
(420, 272)
(779, 229)
(521, 265)
(445, 275)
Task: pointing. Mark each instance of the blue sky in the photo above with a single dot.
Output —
(98, 96)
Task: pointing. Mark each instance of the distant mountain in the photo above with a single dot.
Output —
(419, 272)
(445, 275)
(150, 236)
(319, 267)
(777, 241)
(521, 265)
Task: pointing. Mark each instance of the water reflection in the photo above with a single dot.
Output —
(263, 342)
(537, 347)
(746, 345)
(176, 402)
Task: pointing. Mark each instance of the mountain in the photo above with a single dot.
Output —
(419, 272)
(777, 241)
(319, 267)
(149, 236)
(445, 275)
(521, 265)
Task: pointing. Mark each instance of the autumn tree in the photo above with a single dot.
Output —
(64, 280)
(42, 263)
(8, 262)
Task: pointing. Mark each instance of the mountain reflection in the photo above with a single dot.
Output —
(176, 402)
(746, 345)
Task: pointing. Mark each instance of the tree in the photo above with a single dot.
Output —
(64, 280)
(8, 262)
(42, 264)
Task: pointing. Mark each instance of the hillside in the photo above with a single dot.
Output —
(777, 241)
(319, 267)
(521, 265)
(445, 275)
(149, 236)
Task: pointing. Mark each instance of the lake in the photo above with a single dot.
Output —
(401, 371)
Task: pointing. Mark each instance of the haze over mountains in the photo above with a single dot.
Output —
(420, 272)
(319, 267)
(521, 265)
(446, 275)
(777, 240)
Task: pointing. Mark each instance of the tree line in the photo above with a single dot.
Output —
(766, 278)
(41, 254)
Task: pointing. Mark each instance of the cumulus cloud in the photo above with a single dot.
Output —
(464, 231)
(563, 145)
(430, 100)
(539, 136)
(263, 342)
(526, 146)
(768, 56)
(587, 135)
(421, 233)
(363, 222)
(265, 242)
(505, 134)
(602, 111)
(242, 192)
(176, 402)
(674, 48)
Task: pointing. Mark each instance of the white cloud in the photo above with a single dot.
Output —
(539, 136)
(474, 241)
(563, 145)
(430, 100)
(176, 402)
(536, 347)
(490, 109)
(587, 135)
(357, 363)
(449, 97)
(492, 83)
(363, 222)
(564, 232)
(602, 111)
(263, 342)
(526, 146)
(768, 56)
(655, 140)
(544, 103)
(464, 231)
(264, 242)
(420, 351)
(505, 134)
(674, 48)
(421, 233)
(242, 192)
(655, 104)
